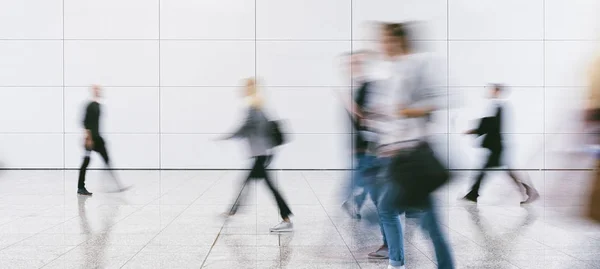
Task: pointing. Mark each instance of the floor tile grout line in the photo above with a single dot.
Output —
(330, 219)
(170, 222)
(110, 227)
(216, 239)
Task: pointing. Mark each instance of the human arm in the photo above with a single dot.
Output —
(244, 128)
(428, 92)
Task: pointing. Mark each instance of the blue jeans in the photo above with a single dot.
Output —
(365, 175)
(430, 223)
(374, 189)
(360, 178)
(389, 216)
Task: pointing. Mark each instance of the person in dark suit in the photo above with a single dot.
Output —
(94, 141)
(491, 129)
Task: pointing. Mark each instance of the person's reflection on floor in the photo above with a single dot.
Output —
(500, 243)
(96, 242)
(84, 222)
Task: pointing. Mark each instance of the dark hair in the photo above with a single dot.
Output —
(497, 87)
(400, 31)
(390, 27)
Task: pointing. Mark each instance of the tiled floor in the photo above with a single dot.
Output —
(170, 219)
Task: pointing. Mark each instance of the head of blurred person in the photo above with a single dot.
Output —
(395, 40)
(96, 92)
(251, 93)
(496, 90)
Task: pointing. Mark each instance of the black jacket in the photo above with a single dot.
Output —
(360, 143)
(491, 127)
(91, 120)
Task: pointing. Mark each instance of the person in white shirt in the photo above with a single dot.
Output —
(402, 99)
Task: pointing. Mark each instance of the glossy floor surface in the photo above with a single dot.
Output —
(171, 219)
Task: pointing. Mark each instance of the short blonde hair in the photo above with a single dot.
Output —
(253, 93)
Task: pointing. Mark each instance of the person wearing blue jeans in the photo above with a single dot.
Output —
(354, 194)
(365, 176)
(404, 94)
(389, 215)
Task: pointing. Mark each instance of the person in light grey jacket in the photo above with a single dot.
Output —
(257, 132)
(404, 96)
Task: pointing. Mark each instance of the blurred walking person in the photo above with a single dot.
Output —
(491, 128)
(362, 182)
(356, 190)
(403, 98)
(592, 120)
(94, 141)
(259, 133)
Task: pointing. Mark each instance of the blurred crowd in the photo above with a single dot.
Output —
(396, 91)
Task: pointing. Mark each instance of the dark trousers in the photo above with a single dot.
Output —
(258, 171)
(99, 147)
(494, 160)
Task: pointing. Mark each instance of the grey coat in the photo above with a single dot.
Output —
(255, 129)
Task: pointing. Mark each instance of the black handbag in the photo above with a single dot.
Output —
(418, 173)
(276, 134)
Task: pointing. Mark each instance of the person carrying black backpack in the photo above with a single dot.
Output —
(262, 136)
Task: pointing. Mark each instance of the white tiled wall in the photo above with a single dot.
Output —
(111, 62)
(111, 19)
(207, 19)
(205, 63)
(171, 70)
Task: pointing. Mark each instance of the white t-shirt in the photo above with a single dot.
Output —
(389, 94)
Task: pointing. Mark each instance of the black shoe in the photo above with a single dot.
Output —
(532, 194)
(471, 198)
(83, 192)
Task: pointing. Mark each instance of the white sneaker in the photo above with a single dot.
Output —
(396, 267)
(284, 226)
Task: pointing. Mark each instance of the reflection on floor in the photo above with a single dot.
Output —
(171, 219)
